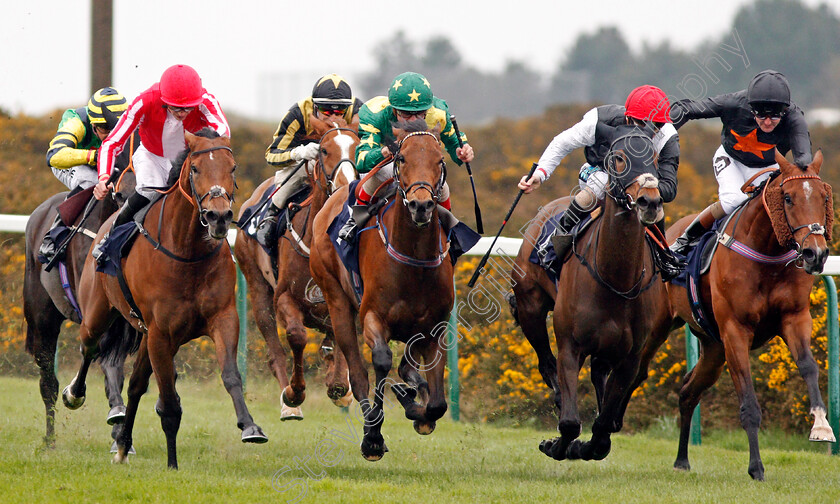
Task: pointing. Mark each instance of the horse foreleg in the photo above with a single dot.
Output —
(704, 374)
(434, 361)
(532, 307)
(600, 371)
(44, 336)
(337, 377)
(373, 444)
(225, 334)
(295, 393)
(797, 334)
(261, 295)
(569, 362)
(161, 353)
(138, 384)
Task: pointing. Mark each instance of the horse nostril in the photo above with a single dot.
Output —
(809, 255)
(429, 205)
(412, 205)
(228, 216)
(212, 216)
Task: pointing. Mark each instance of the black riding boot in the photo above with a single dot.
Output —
(267, 230)
(135, 202)
(563, 239)
(47, 248)
(670, 266)
(359, 215)
(689, 238)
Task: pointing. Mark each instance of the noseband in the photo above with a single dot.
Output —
(435, 190)
(331, 175)
(215, 191)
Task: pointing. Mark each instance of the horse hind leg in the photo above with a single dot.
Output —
(138, 384)
(96, 321)
(337, 377)
(295, 392)
(44, 338)
(566, 401)
(530, 308)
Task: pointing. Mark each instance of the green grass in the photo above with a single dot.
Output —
(459, 462)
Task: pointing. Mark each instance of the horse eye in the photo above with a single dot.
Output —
(193, 169)
(788, 199)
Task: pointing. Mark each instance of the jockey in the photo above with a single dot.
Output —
(331, 96)
(409, 98)
(756, 121)
(162, 113)
(647, 107)
(73, 151)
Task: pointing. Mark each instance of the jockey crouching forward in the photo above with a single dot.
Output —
(756, 121)
(74, 150)
(647, 107)
(409, 98)
(331, 96)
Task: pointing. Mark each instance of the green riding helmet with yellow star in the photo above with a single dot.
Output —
(411, 92)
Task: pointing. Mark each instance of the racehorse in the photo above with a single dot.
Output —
(605, 302)
(290, 293)
(181, 277)
(46, 302)
(408, 289)
(758, 286)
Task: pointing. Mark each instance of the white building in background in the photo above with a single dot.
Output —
(277, 91)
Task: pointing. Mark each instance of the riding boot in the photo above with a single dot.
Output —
(47, 248)
(267, 230)
(135, 202)
(562, 240)
(693, 232)
(359, 215)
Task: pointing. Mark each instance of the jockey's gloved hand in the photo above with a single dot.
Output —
(306, 152)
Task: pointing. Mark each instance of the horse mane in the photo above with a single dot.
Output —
(775, 207)
(412, 126)
(175, 172)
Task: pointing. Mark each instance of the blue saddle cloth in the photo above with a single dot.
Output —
(461, 238)
(690, 279)
(543, 254)
(112, 250)
(261, 208)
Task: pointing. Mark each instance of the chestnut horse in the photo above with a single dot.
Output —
(408, 289)
(182, 277)
(46, 303)
(605, 302)
(757, 288)
(290, 293)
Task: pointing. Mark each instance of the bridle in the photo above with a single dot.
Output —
(814, 228)
(331, 175)
(215, 191)
(435, 190)
(616, 191)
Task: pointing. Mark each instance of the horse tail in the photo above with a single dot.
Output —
(511, 299)
(118, 342)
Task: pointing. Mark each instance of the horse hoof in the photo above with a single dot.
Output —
(682, 465)
(72, 402)
(345, 401)
(119, 459)
(424, 428)
(577, 451)
(822, 433)
(115, 449)
(254, 434)
(551, 448)
(116, 415)
(373, 451)
(287, 392)
(289, 413)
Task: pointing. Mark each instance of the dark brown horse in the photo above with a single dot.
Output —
(605, 302)
(290, 293)
(46, 303)
(758, 288)
(182, 277)
(408, 290)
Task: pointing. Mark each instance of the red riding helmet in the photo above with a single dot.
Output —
(180, 86)
(648, 103)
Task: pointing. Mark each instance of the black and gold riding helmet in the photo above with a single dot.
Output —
(105, 108)
(332, 92)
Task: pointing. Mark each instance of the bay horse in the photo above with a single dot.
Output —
(605, 301)
(47, 303)
(755, 289)
(408, 289)
(181, 276)
(289, 295)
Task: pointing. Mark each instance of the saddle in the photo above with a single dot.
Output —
(253, 216)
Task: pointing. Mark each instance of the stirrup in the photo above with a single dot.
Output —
(97, 251)
(348, 231)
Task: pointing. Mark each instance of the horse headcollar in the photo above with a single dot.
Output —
(436, 190)
(618, 182)
(215, 191)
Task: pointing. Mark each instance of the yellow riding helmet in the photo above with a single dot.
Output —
(105, 108)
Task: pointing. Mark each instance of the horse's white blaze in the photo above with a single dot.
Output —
(647, 181)
(808, 189)
(211, 155)
(821, 431)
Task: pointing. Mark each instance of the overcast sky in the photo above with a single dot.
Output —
(254, 55)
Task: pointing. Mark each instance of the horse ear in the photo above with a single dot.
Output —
(190, 138)
(816, 164)
(783, 163)
(354, 123)
(398, 133)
